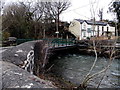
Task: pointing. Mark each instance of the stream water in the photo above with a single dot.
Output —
(74, 67)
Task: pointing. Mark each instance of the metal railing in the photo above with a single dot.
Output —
(19, 41)
(61, 42)
(55, 42)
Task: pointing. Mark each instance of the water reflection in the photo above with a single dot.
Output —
(73, 67)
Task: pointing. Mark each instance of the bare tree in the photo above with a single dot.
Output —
(54, 9)
(110, 47)
(111, 56)
(101, 14)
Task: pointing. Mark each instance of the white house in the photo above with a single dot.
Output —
(84, 29)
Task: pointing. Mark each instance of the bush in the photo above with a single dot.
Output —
(6, 35)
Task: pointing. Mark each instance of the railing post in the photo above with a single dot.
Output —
(66, 42)
(69, 41)
(54, 43)
(49, 43)
(58, 42)
(62, 40)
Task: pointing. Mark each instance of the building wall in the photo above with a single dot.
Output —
(99, 30)
(75, 28)
(85, 32)
(110, 29)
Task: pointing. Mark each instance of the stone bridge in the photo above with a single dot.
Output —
(22, 64)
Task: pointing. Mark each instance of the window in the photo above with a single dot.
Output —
(83, 29)
(89, 30)
(84, 34)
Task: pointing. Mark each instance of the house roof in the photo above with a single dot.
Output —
(90, 22)
(80, 20)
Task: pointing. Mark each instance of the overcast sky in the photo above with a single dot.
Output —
(81, 9)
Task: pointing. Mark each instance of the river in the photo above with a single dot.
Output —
(74, 67)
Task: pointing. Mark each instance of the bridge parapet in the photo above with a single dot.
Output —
(55, 42)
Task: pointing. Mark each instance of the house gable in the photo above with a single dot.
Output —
(74, 28)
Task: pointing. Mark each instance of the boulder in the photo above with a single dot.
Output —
(15, 77)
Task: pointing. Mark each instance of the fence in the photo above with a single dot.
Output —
(51, 42)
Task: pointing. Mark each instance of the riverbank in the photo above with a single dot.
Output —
(58, 81)
(103, 48)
